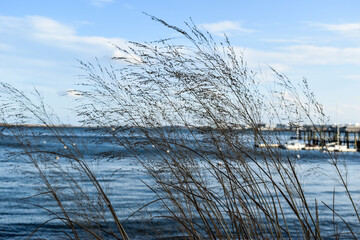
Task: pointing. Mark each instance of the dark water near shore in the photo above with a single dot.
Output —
(125, 179)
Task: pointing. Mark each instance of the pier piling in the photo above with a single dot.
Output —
(324, 134)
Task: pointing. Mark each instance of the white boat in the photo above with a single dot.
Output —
(313, 147)
(295, 145)
(335, 147)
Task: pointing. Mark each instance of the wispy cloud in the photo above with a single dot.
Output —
(346, 30)
(225, 27)
(44, 26)
(311, 54)
(56, 34)
(51, 32)
(346, 27)
(100, 3)
(285, 40)
(297, 55)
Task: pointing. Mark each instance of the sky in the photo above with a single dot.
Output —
(41, 41)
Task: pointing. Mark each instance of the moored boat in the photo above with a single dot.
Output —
(295, 145)
(335, 147)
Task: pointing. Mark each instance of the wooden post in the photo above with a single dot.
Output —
(343, 138)
(256, 144)
(355, 141)
(336, 137)
(321, 138)
(347, 139)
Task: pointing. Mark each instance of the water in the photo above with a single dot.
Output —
(124, 178)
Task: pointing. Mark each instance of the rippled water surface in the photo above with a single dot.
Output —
(125, 180)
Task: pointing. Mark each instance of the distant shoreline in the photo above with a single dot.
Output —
(117, 127)
(43, 125)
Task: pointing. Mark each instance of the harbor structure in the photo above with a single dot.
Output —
(321, 135)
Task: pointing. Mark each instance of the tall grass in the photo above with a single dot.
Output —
(189, 103)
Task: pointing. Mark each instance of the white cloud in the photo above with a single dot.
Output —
(297, 55)
(51, 32)
(310, 54)
(100, 3)
(346, 27)
(347, 30)
(224, 27)
(284, 40)
(55, 33)
(47, 26)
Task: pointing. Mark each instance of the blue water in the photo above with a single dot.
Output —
(123, 178)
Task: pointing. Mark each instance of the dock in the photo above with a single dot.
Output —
(319, 136)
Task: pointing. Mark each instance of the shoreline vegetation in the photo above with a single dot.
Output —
(207, 181)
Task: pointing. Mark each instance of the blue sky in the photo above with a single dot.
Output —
(320, 40)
